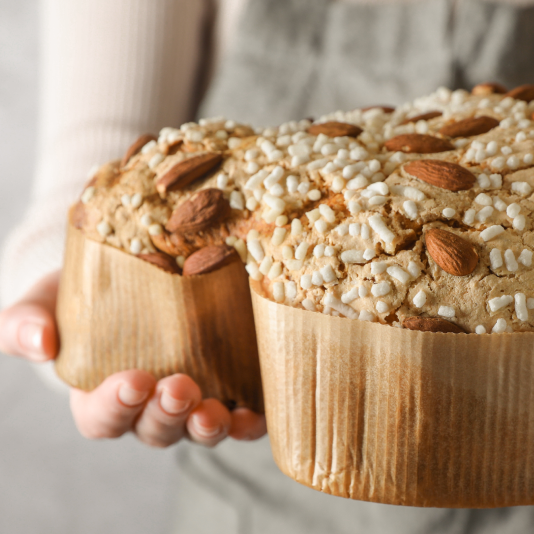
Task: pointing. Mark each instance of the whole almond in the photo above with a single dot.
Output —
(432, 324)
(385, 109)
(209, 259)
(187, 171)
(442, 174)
(174, 147)
(136, 147)
(423, 117)
(164, 243)
(205, 209)
(335, 129)
(163, 261)
(488, 88)
(451, 252)
(523, 92)
(469, 127)
(418, 143)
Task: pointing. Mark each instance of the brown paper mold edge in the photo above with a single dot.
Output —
(376, 413)
(116, 312)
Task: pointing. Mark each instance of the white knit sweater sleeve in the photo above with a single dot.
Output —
(111, 70)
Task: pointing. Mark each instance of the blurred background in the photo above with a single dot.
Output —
(52, 479)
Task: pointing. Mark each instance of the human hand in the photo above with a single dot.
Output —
(160, 413)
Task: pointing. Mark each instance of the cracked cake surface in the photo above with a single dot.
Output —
(342, 215)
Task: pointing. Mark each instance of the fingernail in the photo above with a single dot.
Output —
(171, 405)
(206, 432)
(131, 397)
(31, 340)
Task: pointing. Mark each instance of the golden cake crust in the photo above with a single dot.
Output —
(339, 224)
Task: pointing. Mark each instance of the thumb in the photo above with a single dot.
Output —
(28, 327)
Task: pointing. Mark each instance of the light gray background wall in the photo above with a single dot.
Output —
(51, 479)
